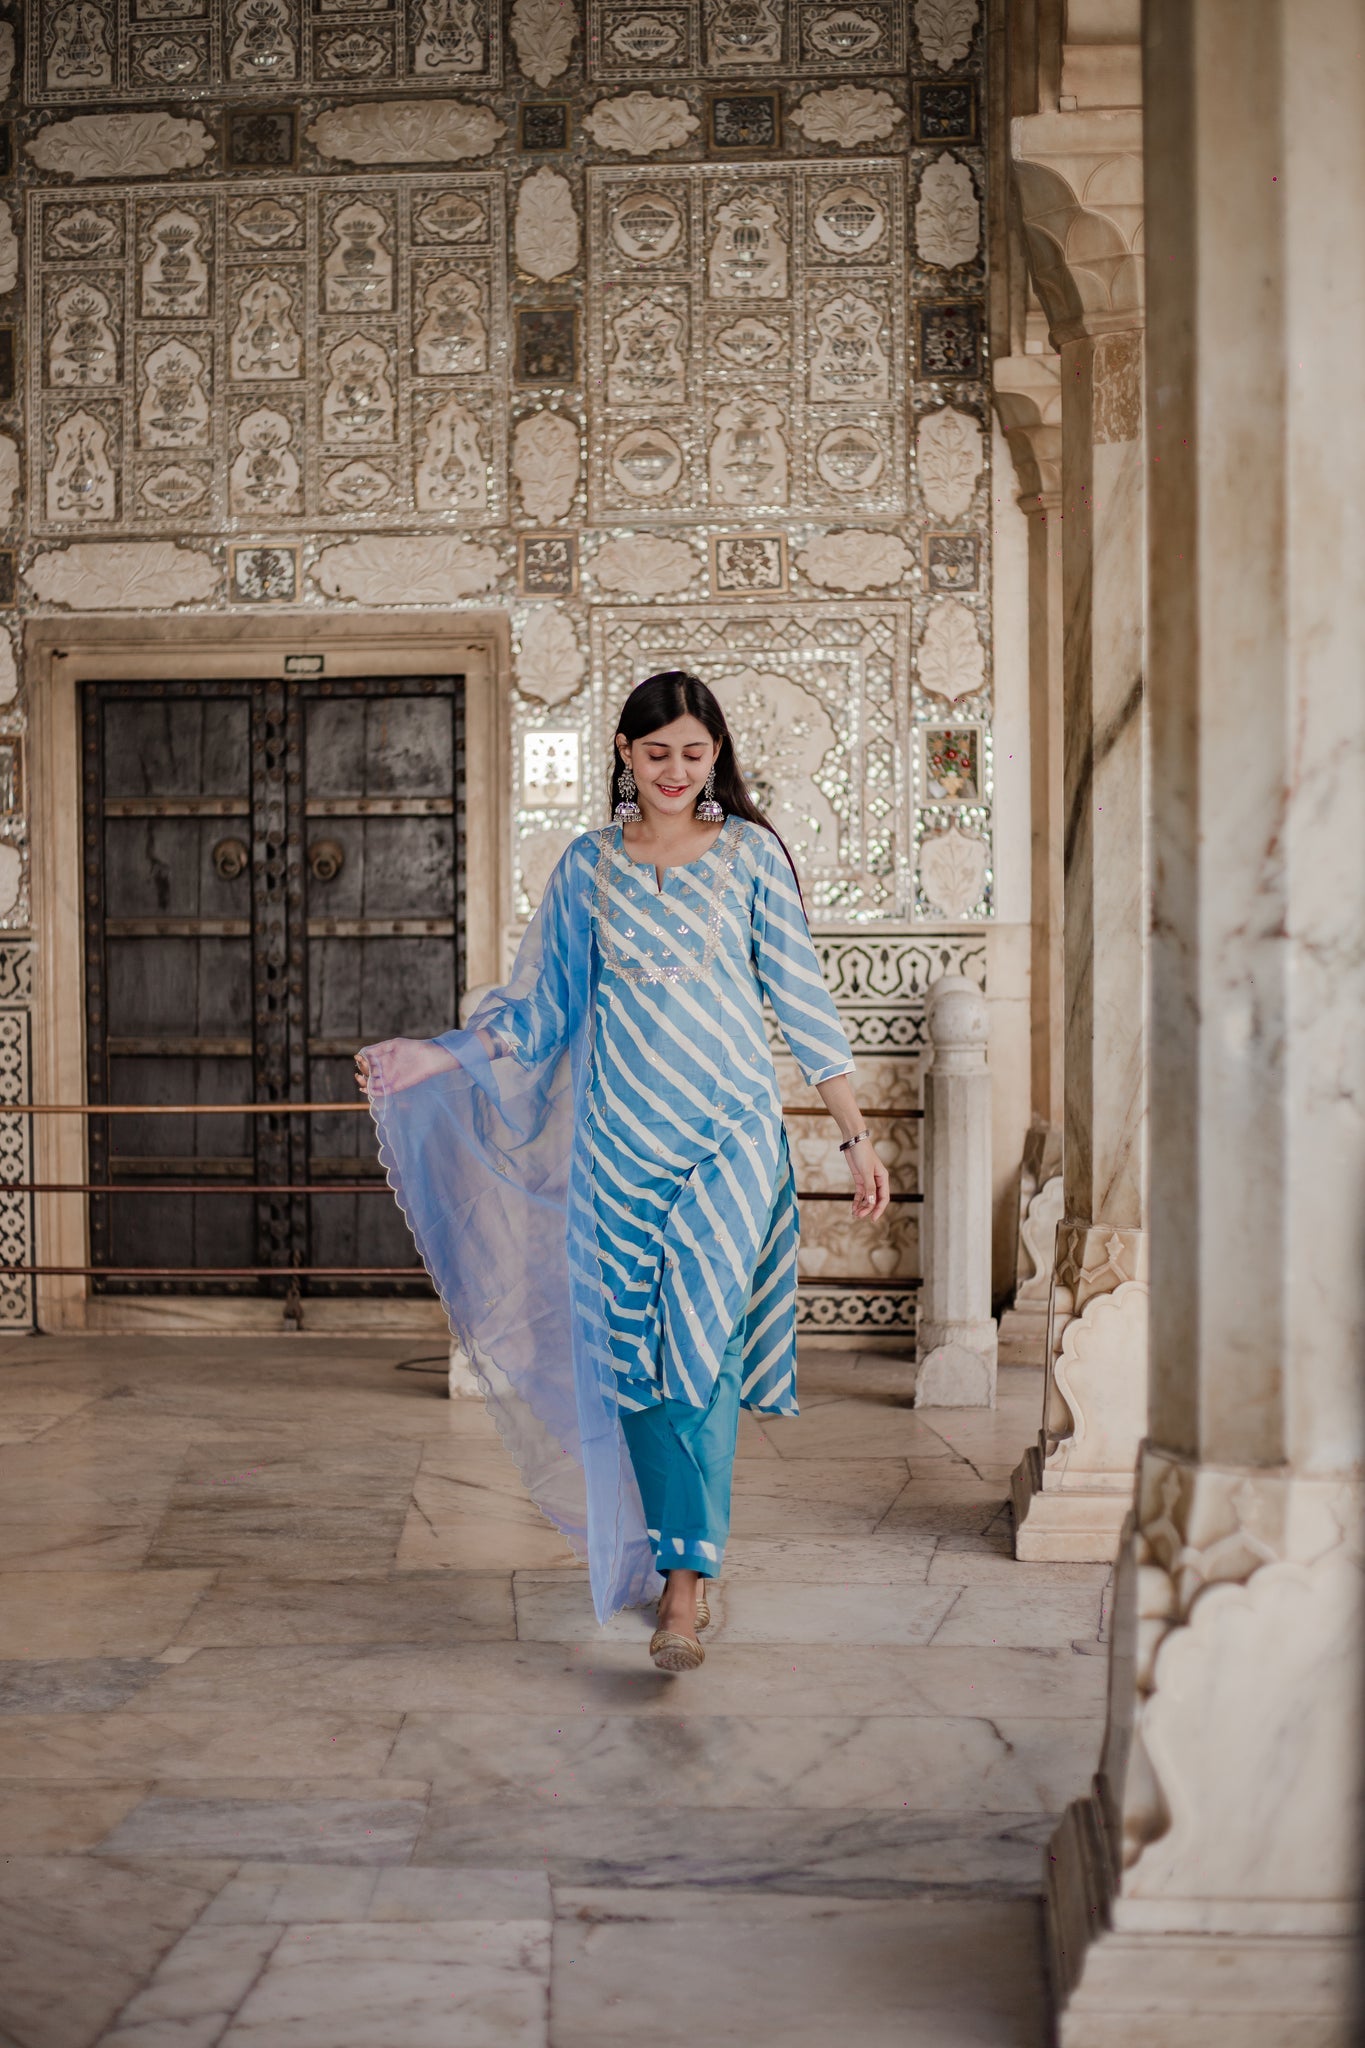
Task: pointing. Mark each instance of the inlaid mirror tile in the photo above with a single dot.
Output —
(79, 50)
(777, 300)
(297, 348)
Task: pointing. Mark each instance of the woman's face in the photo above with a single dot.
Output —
(670, 765)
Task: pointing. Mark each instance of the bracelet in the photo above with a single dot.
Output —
(856, 1139)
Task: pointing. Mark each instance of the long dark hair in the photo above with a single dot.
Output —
(675, 694)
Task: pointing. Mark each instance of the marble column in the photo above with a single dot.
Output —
(1205, 1891)
(1079, 181)
(1028, 400)
(956, 1345)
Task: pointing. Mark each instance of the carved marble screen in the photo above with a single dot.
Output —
(657, 324)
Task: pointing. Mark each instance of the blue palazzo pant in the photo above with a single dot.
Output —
(683, 1459)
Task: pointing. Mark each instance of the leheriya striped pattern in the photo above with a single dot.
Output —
(693, 1197)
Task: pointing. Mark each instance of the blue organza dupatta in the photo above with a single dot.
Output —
(487, 1154)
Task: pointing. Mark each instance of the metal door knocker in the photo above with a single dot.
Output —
(231, 857)
(326, 859)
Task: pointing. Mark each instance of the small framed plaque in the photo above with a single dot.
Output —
(950, 764)
(743, 123)
(943, 109)
(11, 778)
(260, 138)
(263, 573)
(748, 564)
(949, 341)
(546, 345)
(952, 561)
(547, 564)
(543, 125)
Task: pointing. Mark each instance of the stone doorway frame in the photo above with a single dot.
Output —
(60, 654)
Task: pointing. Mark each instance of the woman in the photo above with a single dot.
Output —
(614, 1232)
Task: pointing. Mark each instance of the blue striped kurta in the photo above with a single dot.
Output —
(692, 1189)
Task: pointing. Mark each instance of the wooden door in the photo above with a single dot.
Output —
(273, 877)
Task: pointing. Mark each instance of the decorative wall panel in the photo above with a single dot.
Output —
(747, 351)
(743, 39)
(272, 352)
(84, 50)
(818, 696)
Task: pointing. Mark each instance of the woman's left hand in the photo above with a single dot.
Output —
(871, 1182)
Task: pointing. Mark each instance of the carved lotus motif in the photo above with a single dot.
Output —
(944, 28)
(952, 870)
(546, 228)
(646, 565)
(640, 123)
(129, 575)
(849, 116)
(952, 661)
(550, 662)
(387, 568)
(545, 464)
(855, 560)
(120, 145)
(949, 448)
(543, 31)
(406, 132)
(947, 214)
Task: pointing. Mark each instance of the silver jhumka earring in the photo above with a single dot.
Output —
(709, 811)
(627, 811)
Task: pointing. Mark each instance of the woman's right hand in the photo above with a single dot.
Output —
(396, 1063)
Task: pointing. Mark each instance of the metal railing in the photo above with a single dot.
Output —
(374, 1186)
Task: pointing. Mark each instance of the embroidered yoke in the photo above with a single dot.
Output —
(692, 1187)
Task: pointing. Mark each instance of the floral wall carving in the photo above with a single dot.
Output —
(545, 233)
(406, 132)
(849, 116)
(543, 32)
(120, 145)
(641, 123)
(97, 576)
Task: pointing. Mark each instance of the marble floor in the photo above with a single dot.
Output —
(308, 1739)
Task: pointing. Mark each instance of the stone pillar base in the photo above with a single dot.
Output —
(956, 1365)
(1073, 1490)
(1078, 1526)
(1206, 1892)
(1121, 1984)
(1024, 1325)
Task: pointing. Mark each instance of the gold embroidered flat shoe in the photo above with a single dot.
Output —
(703, 1607)
(671, 1652)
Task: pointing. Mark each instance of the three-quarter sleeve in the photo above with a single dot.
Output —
(788, 968)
